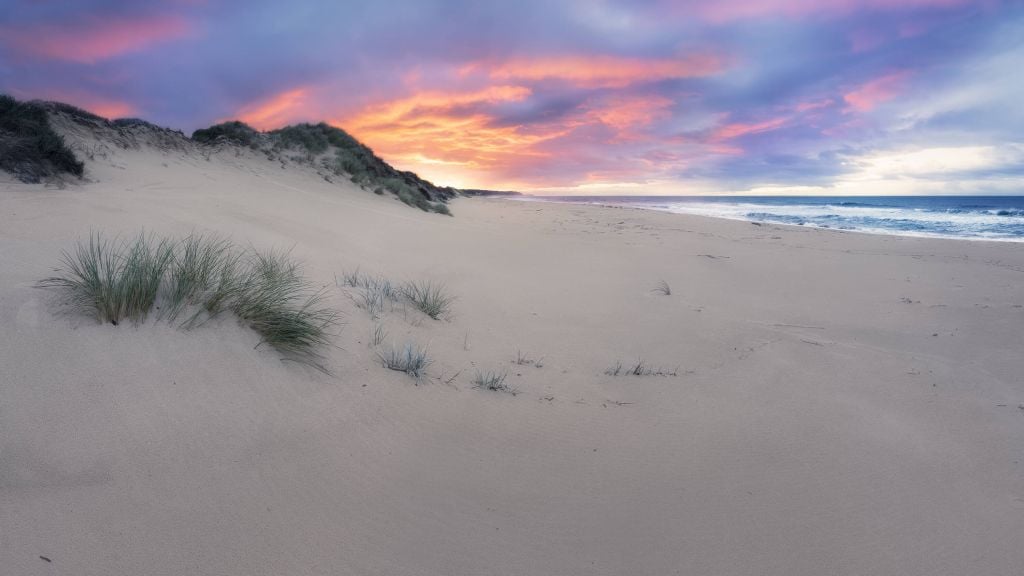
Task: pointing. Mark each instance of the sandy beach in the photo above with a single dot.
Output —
(841, 403)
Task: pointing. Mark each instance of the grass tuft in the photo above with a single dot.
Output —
(115, 281)
(378, 335)
(663, 288)
(194, 271)
(639, 368)
(125, 280)
(429, 297)
(410, 359)
(494, 381)
(524, 360)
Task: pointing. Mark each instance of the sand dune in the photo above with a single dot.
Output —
(844, 404)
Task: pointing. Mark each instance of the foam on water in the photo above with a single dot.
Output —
(974, 217)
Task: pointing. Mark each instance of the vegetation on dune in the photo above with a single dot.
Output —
(125, 280)
(378, 292)
(29, 147)
(331, 148)
(640, 368)
(73, 112)
(234, 132)
(410, 359)
(363, 167)
(493, 381)
(429, 297)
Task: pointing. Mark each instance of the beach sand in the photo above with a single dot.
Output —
(843, 403)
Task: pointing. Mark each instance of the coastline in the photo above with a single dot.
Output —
(658, 204)
(843, 403)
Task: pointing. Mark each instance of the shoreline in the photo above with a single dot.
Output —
(809, 225)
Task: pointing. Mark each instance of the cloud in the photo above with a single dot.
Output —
(276, 111)
(91, 40)
(599, 71)
(738, 129)
(716, 11)
(659, 95)
(866, 97)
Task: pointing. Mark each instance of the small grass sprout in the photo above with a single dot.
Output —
(494, 381)
(639, 368)
(410, 359)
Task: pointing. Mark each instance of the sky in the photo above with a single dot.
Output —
(652, 97)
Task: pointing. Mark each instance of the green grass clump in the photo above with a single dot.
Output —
(410, 359)
(233, 131)
(29, 147)
(116, 281)
(125, 280)
(493, 381)
(198, 265)
(429, 297)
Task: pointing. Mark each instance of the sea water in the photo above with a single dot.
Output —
(972, 217)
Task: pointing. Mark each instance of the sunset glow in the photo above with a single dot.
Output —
(680, 97)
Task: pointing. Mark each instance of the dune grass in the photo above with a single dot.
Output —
(410, 359)
(116, 281)
(639, 368)
(525, 360)
(493, 381)
(276, 301)
(125, 280)
(429, 297)
(663, 288)
(377, 294)
(198, 265)
(378, 335)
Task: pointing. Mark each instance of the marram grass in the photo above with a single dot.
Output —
(206, 275)
(410, 359)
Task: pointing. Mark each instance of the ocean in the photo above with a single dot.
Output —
(968, 217)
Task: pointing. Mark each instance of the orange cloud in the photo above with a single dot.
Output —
(598, 71)
(875, 92)
(94, 40)
(276, 111)
(630, 113)
(445, 136)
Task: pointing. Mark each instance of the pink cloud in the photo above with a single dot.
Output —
(737, 129)
(93, 40)
(814, 105)
(869, 95)
(99, 105)
(719, 11)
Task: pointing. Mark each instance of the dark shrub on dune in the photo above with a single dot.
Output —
(73, 112)
(29, 147)
(234, 131)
